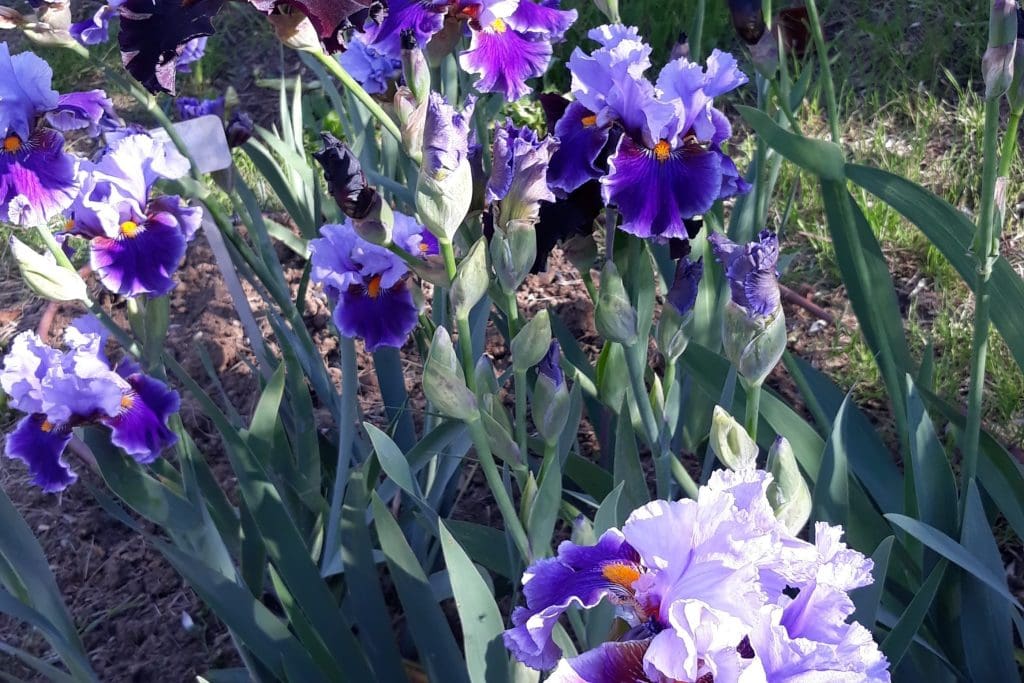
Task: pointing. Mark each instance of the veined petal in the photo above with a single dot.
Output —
(505, 59)
(380, 317)
(37, 180)
(608, 663)
(545, 17)
(40, 445)
(686, 182)
(423, 17)
(25, 91)
(140, 429)
(143, 259)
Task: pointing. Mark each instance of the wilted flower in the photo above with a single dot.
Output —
(136, 240)
(511, 39)
(371, 216)
(366, 283)
(706, 587)
(519, 167)
(373, 69)
(193, 108)
(60, 390)
(37, 177)
(750, 270)
(671, 134)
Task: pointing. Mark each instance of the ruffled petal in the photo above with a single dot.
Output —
(505, 59)
(142, 262)
(38, 181)
(25, 91)
(543, 17)
(378, 316)
(581, 142)
(140, 428)
(90, 110)
(581, 575)
(682, 185)
(423, 17)
(40, 445)
(26, 363)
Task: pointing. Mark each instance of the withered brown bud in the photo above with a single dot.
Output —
(345, 178)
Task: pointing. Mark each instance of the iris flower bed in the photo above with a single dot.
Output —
(711, 532)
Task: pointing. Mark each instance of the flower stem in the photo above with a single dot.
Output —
(826, 70)
(338, 71)
(461, 320)
(53, 247)
(519, 374)
(986, 249)
(654, 436)
(513, 525)
(753, 408)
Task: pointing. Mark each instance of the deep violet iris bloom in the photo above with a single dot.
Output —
(37, 176)
(751, 271)
(137, 240)
(510, 44)
(62, 389)
(706, 588)
(367, 284)
(671, 133)
(193, 108)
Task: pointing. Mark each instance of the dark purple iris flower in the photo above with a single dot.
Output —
(550, 365)
(751, 271)
(60, 390)
(519, 172)
(510, 44)
(37, 176)
(193, 108)
(367, 284)
(136, 240)
(682, 295)
(671, 134)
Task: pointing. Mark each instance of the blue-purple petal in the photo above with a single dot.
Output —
(140, 429)
(38, 181)
(25, 91)
(380, 317)
(681, 186)
(141, 264)
(581, 141)
(89, 110)
(423, 17)
(542, 17)
(504, 60)
(682, 295)
(40, 445)
(607, 663)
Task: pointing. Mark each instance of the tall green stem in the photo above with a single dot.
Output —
(461, 319)
(697, 34)
(519, 374)
(513, 526)
(826, 70)
(338, 71)
(753, 408)
(986, 249)
(53, 247)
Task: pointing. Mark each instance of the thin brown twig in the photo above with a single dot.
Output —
(802, 301)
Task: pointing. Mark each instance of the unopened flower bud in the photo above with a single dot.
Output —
(412, 117)
(445, 186)
(747, 19)
(11, 18)
(532, 343)
(998, 62)
(45, 277)
(788, 493)
(55, 14)
(414, 66)
(609, 8)
(444, 382)
(677, 312)
(550, 396)
(681, 48)
(615, 317)
(518, 182)
(239, 129)
(1016, 93)
(295, 30)
(471, 280)
(753, 345)
(732, 444)
(513, 253)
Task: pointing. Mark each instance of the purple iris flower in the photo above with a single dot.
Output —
(750, 269)
(519, 172)
(671, 134)
(706, 588)
(367, 284)
(63, 389)
(191, 53)
(374, 68)
(89, 111)
(193, 108)
(137, 240)
(423, 17)
(96, 29)
(682, 295)
(37, 177)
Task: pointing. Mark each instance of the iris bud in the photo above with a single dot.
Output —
(550, 396)
(414, 67)
(532, 343)
(513, 253)
(444, 382)
(445, 186)
(471, 280)
(754, 345)
(239, 129)
(788, 493)
(411, 118)
(615, 317)
(677, 312)
(295, 30)
(609, 8)
(732, 444)
(997, 64)
(45, 277)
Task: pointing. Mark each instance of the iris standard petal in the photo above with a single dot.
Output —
(40, 445)
(657, 189)
(378, 316)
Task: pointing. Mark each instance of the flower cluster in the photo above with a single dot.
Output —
(713, 589)
(511, 39)
(136, 239)
(367, 284)
(60, 390)
(38, 177)
(669, 134)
